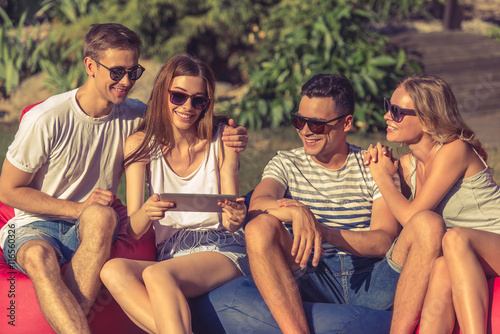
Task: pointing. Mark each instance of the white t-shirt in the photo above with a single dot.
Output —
(69, 152)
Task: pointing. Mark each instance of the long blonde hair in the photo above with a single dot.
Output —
(437, 110)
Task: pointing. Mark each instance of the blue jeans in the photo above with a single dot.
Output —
(349, 279)
(238, 308)
(63, 236)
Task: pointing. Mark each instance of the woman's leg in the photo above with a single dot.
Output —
(123, 278)
(438, 314)
(170, 282)
(472, 258)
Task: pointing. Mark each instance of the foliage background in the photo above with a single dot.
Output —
(271, 47)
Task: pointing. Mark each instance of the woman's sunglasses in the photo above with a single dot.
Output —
(397, 113)
(316, 127)
(117, 73)
(199, 102)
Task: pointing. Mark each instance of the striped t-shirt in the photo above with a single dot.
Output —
(340, 198)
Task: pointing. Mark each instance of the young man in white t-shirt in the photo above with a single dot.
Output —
(61, 174)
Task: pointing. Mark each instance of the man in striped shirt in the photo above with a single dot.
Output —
(325, 195)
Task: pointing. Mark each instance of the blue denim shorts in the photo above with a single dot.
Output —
(349, 279)
(62, 235)
(187, 241)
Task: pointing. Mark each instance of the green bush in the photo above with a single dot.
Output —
(299, 39)
(274, 46)
(18, 51)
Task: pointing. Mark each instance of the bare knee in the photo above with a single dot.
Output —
(38, 258)
(456, 241)
(426, 228)
(422, 235)
(115, 273)
(261, 231)
(97, 221)
(439, 269)
(112, 270)
(151, 276)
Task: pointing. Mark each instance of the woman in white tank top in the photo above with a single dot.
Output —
(177, 148)
(445, 172)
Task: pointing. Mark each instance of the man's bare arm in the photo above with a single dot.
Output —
(373, 243)
(16, 192)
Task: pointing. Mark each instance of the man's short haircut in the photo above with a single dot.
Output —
(102, 37)
(336, 86)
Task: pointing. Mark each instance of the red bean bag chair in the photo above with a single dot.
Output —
(20, 304)
(20, 310)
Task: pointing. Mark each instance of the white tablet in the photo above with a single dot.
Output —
(196, 202)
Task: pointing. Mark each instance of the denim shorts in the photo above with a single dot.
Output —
(349, 279)
(187, 241)
(62, 235)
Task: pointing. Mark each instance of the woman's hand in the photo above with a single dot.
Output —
(155, 209)
(235, 213)
(382, 163)
(372, 152)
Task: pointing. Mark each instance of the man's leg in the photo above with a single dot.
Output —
(268, 247)
(97, 225)
(57, 303)
(416, 249)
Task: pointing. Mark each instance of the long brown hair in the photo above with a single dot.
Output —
(157, 122)
(437, 110)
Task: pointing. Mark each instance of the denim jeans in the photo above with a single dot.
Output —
(238, 308)
(349, 279)
(63, 236)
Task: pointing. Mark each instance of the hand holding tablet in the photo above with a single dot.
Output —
(196, 202)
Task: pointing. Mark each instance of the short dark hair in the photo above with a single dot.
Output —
(102, 37)
(336, 86)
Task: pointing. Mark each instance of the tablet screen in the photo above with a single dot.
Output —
(196, 202)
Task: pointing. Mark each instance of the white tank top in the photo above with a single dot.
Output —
(204, 180)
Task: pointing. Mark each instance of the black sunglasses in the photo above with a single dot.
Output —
(316, 127)
(199, 101)
(397, 113)
(117, 73)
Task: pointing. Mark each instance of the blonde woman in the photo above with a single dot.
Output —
(445, 172)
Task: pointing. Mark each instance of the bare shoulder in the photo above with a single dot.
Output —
(134, 141)
(454, 151)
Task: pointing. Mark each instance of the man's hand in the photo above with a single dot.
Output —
(98, 196)
(306, 233)
(235, 136)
